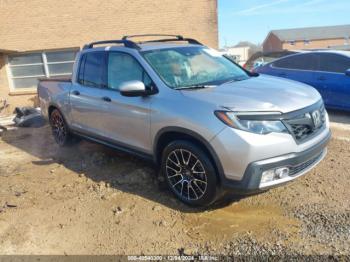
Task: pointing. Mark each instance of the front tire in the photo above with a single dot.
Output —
(60, 130)
(189, 173)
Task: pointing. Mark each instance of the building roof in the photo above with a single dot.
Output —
(312, 33)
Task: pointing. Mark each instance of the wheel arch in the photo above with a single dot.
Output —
(51, 108)
(169, 134)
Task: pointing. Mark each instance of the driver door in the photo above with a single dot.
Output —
(127, 119)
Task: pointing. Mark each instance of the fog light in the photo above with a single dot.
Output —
(268, 176)
(274, 174)
(282, 172)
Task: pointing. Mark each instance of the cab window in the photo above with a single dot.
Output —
(123, 67)
(91, 71)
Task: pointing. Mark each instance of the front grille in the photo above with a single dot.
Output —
(304, 126)
(301, 131)
(294, 170)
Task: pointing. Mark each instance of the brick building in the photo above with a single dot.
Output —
(307, 38)
(40, 38)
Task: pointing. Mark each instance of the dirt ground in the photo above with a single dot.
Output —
(89, 199)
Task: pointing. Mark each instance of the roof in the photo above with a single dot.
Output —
(312, 33)
(155, 46)
(346, 53)
(143, 47)
(340, 47)
(329, 51)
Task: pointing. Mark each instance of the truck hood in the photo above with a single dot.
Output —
(262, 93)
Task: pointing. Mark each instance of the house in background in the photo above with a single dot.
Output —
(307, 38)
(41, 38)
(241, 52)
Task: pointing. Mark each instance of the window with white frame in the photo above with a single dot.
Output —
(25, 69)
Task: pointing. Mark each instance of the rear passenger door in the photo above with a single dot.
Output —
(87, 106)
(331, 77)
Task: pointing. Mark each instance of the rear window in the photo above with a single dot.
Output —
(299, 62)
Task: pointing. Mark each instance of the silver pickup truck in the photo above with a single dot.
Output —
(210, 126)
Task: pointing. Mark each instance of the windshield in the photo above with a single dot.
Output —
(193, 66)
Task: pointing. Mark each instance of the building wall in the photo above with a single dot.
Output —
(272, 43)
(40, 24)
(28, 25)
(13, 100)
(324, 43)
(3, 83)
(242, 53)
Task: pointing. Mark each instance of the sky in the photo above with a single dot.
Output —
(251, 20)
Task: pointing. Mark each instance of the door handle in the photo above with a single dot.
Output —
(282, 74)
(76, 93)
(106, 98)
(322, 78)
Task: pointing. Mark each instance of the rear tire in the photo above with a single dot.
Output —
(60, 130)
(189, 173)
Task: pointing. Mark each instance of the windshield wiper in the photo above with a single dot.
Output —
(235, 80)
(193, 87)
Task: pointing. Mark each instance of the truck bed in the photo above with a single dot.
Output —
(56, 79)
(54, 91)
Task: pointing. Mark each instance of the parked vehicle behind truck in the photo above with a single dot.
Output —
(328, 71)
(262, 58)
(211, 126)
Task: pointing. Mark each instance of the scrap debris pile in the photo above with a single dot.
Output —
(22, 117)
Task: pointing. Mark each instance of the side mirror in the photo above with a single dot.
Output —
(133, 88)
(347, 72)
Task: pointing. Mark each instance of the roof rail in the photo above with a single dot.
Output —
(127, 43)
(126, 37)
(176, 38)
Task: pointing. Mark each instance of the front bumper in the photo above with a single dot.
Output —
(300, 163)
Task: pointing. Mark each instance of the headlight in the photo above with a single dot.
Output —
(232, 119)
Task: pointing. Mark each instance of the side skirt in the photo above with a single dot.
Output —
(117, 146)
